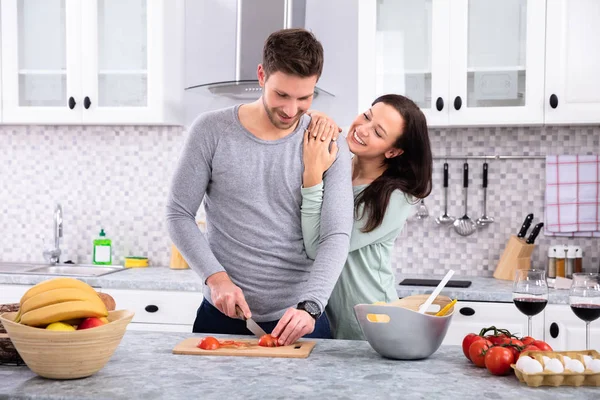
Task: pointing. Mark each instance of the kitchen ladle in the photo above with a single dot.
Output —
(422, 211)
(445, 219)
(436, 292)
(464, 225)
(484, 220)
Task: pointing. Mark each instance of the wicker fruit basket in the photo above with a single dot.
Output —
(566, 378)
(8, 353)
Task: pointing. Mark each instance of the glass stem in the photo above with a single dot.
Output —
(528, 325)
(587, 335)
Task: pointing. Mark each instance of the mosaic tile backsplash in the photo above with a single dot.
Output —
(116, 178)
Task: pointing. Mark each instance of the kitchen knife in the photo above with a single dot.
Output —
(525, 226)
(250, 324)
(534, 233)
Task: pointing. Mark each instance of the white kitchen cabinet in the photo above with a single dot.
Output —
(572, 62)
(92, 62)
(471, 317)
(155, 310)
(464, 62)
(564, 331)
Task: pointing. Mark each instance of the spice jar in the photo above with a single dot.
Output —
(578, 260)
(551, 273)
(570, 262)
(560, 261)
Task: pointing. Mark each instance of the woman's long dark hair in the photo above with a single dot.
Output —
(410, 172)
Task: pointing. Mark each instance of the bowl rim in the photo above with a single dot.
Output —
(365, 306)
(121, 315)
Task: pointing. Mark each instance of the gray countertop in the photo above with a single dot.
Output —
(163, 278)
(144, 367)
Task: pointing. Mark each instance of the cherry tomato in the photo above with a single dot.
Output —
(530, 347)
(498, 360)
(496, 340)
(543, 346)
(477, 352)
(467, 341)
(268, 341)
(527, 340)
(209, 343)
(514, 344)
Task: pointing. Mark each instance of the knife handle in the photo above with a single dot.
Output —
(485, 172)
(525, 226)
(239, 312)
(445, 175)
(534, 233)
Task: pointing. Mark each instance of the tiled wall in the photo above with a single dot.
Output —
(117, 178)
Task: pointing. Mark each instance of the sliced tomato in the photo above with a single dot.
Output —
(268, 341)
(209, 343)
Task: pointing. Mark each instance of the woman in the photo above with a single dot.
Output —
(391, 171)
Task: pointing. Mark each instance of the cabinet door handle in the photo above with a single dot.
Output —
(457, 103)
(439, 104)
(553, 101)
(72, 103)
(468, 311)
(151, 308)
(87, 102)
(554, 331)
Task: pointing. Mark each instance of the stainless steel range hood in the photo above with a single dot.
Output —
(223, 46)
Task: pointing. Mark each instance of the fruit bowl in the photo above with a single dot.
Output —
(397, 331)
(67, 355)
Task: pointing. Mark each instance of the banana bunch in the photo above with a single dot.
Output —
(58, 300)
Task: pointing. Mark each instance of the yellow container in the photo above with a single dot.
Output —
(136, 262)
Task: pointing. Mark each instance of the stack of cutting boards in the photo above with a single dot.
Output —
(299, 349)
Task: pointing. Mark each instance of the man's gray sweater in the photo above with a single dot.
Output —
(251, 190)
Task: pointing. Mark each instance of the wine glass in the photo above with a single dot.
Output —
(584, 298)
(530, 293)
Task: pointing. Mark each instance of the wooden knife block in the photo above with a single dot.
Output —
(517, 255)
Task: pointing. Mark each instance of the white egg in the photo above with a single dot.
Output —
(566, 359)
(554, 365)
(546, 359)
(587, 360)
(523, 361)
(594, 365)
(533, 367)
(575, 366)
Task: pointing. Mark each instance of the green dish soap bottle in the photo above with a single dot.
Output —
(102, 249)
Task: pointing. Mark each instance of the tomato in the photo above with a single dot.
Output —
(496, 339)
(527, 340)
(498, 360)
(467, 341)
(477, 352)
(268, 341)
(209, 343)
(233, 343)
(543, 346)
(529, 347)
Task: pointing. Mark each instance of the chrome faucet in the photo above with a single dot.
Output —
(53, 255)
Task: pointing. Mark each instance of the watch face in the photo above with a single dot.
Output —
(312, 308)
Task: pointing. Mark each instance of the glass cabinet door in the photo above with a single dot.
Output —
(122, 53)
(497, 53)
(40, 49)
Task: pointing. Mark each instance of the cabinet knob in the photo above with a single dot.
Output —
(554, 331)
(468, 311)
(553, 101)
(457, 103)
(439, 104)
(87, 102)
(151, 308)
(72, 103)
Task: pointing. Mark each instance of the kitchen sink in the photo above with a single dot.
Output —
(82, 270)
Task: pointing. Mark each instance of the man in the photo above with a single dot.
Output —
(246, 163)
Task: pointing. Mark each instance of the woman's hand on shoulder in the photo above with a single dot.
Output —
(318, 155)
(319, 125)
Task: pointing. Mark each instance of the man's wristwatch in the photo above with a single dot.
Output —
(311, 307)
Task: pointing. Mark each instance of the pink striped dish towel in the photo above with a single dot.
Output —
(572, 196)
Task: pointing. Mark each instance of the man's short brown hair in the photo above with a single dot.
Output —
(294, 52)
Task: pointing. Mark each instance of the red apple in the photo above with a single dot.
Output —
(91, 322)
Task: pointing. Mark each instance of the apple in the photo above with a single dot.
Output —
(91, 322)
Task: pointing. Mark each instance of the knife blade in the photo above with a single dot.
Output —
(534, 233)
(525, 226)
(250, 323)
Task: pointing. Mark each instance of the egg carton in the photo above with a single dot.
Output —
(567, 378)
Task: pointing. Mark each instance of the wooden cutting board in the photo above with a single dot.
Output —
(300, 349)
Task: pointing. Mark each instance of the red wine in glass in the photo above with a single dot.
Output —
(531, 306)
(586, 312)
